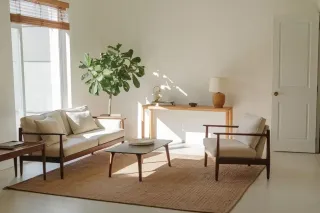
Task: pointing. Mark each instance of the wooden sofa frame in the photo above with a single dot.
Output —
(234, 160)
(62, 159)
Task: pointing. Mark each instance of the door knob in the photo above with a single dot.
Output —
(275, 93)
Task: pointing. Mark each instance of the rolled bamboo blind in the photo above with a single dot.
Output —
(46, 13)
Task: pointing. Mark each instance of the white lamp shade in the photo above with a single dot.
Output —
(215, 85)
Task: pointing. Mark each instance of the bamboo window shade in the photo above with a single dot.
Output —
(46, 13)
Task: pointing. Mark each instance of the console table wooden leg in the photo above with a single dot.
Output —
(44, 163)
(168, 154)
(231, 120)
(15, 167)
(143, 122)
(227, 123)
(111, 162)
(140, 166)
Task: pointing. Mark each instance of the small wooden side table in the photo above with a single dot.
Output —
(27, 148)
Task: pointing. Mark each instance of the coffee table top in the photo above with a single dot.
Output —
(131, 149)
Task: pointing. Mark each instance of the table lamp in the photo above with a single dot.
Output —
(218, 98)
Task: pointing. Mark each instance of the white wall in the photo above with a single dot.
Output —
(7, 109)
(189, 41)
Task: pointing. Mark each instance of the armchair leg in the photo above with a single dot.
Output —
(205, 159)
(21, 165)
(268, 171)
(61, 169)
(217, 170)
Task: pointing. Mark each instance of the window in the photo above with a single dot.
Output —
(40, 69)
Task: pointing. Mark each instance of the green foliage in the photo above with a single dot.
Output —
(112, 71)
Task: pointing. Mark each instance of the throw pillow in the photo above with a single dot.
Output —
(56, 115)
(81, 122)
(65, 117)
(50, 125)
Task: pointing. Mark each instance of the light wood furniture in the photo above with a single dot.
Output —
(27, 148)
(125, 148)
(227, 110)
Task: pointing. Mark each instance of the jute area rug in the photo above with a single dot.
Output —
(187, 185)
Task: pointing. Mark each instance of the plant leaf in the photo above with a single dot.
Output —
(135, 81)
(126, 86)
(87, 60)
(136, 60)
(84, 76)
(128, 54)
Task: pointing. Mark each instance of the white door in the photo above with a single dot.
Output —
(294, 103)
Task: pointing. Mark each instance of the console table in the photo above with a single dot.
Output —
(151, 107)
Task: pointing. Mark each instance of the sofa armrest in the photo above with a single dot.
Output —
(110, 122)
(37, 133)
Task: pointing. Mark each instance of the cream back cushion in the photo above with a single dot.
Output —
(250, 124)
(261, 144)
(81, 122)
(56, 115)
(65, 118)
(28, 125)
(50, 125)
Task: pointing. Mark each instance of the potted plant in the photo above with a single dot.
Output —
(111, 72)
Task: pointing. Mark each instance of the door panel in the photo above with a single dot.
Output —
(295, 80)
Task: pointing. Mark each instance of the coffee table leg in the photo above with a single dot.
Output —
(139, 156)
(15, 167)
(44, 163)
(111, 162)
(168, 154)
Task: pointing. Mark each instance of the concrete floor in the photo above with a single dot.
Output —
(294, 187)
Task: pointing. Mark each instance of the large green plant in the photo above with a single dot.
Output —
(111, 72)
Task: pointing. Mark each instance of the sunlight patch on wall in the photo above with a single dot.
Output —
(164, 132)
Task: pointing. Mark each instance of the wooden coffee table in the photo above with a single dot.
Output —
(27, 148)
(125, 148)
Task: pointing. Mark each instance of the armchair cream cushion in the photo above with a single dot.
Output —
(228, 148)
(50, 125)
(250, 124)
(81, 122)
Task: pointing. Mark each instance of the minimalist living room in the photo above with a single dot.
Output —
(159, 106)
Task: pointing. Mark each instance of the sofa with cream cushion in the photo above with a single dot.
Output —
(246, 147)
(69, 134)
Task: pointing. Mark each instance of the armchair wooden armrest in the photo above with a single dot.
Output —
(210, 125)
(241, 134)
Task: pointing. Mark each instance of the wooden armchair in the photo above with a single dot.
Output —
(246, 147)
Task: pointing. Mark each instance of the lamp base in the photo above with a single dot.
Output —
(218, 99)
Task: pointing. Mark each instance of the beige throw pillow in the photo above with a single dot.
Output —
(65, 117)
(56, 115)
(81, 122)
(50, 125)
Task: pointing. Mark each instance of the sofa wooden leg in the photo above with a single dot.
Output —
(92, 153)
(61, 169)
(205, 159)
(217, 170)
(249, 164)
(21, 166)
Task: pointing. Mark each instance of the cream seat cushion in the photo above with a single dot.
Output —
(250, 124)
(72, 145)
(104, 135)
(228, 148)
(81, 122)
(50, 125)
